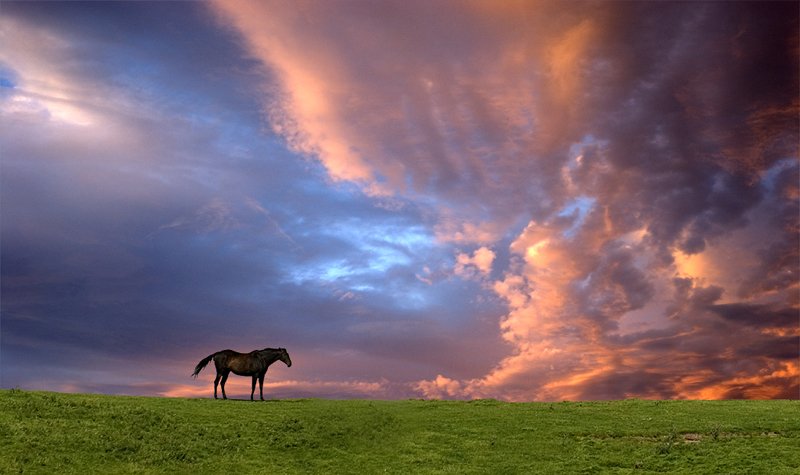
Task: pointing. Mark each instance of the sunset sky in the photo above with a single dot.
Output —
(418, 199)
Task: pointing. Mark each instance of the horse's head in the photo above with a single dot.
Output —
(284, 356)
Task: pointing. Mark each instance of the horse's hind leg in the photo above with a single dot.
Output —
(216, 382)
(222, 384)
(253, 389)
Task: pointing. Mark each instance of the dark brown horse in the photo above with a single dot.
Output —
(253, 364)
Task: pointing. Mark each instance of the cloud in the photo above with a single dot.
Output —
(549, 108)
(480, 263)
(440, 387)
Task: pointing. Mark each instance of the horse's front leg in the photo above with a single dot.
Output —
(253, 389)
(260, 384)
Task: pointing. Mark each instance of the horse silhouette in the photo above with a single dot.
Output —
(253, 364)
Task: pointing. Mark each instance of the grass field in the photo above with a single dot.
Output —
(43, 432)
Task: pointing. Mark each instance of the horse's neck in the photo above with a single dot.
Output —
(269, 357)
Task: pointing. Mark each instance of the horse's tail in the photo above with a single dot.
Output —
(202, 364)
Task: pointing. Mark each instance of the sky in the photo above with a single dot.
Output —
(520, 200)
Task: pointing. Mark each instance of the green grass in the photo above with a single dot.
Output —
(43, 432)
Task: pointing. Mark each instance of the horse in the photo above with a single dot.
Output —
(253, 364)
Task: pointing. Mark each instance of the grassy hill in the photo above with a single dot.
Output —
(43, 432)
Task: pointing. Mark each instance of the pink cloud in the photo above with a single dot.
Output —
(480, 262)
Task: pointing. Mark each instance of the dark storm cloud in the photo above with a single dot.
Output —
(758, 315)
(674, 117)
(777, 268)
(615, 286)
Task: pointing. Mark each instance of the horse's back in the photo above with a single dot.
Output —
(243, 364)
(222, 357)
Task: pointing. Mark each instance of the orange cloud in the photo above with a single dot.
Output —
(310, 113)
(770, 383)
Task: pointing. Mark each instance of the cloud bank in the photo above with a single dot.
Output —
(651, 148)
